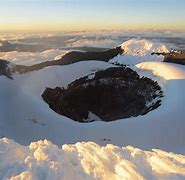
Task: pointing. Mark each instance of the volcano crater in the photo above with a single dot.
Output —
(107, 95)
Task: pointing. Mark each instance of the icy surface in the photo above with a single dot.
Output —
(137, 51)
(44, 160)
(164, 70)
(25, 117)
(143, 47)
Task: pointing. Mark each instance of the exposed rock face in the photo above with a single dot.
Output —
(68, 58)
(72, 57)
(112, 94)
(4, 69)
(76, 56)
(177, 57)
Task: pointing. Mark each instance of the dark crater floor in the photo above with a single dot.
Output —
(111, 94)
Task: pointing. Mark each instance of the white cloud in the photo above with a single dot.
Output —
(29, 58)
(106, 43)
(17, 36)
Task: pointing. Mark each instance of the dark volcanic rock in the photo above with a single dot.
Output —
(112, 94)
(177, 57)
(75, 56)
(72, 57)
(4, 69)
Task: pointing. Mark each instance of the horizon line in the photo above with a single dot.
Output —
(56, 27)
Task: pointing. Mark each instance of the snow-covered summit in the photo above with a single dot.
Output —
(138, 51)
(136, 47)
(25, 117)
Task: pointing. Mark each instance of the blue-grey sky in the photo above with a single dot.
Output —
(91, 14)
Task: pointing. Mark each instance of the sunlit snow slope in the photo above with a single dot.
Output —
(44, 160)
(136, 51)
(25, 117)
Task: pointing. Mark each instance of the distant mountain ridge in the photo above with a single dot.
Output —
(133, 47)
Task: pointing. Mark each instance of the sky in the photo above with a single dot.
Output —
(59, 15)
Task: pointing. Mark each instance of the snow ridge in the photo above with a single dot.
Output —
(137, 51)
(44, 160)
(136, 47)
(25, 118)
